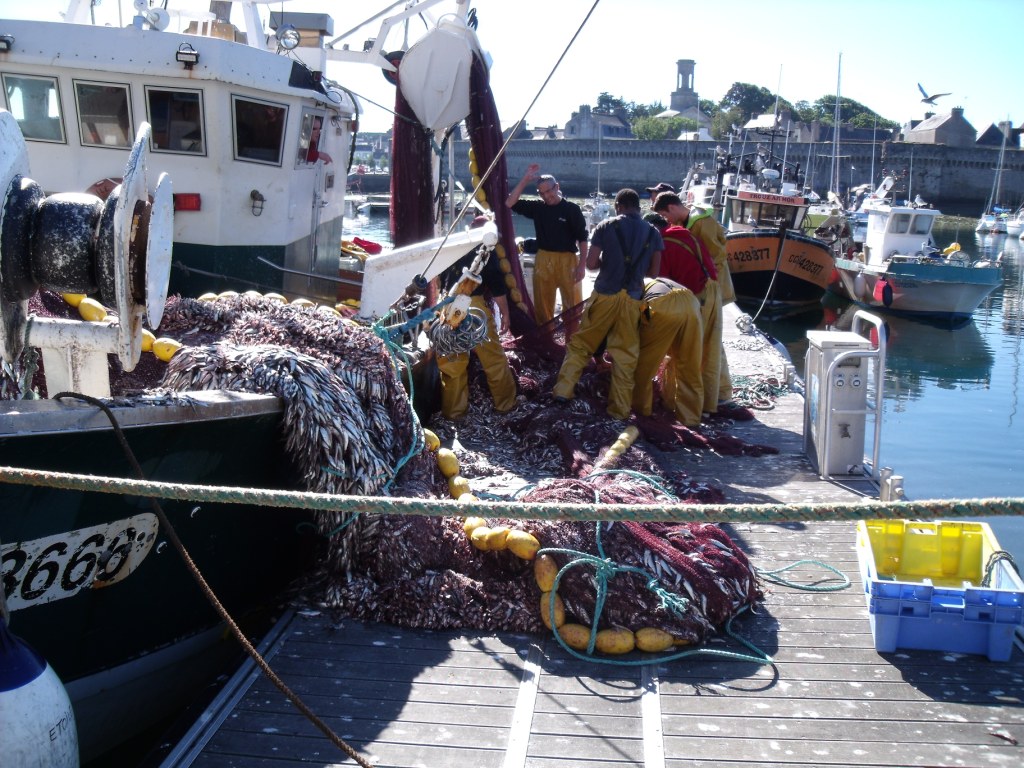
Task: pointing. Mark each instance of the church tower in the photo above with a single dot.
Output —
(684, 98)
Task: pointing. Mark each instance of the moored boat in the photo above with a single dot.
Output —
(769, 259)
(900, 270)
(140, 646)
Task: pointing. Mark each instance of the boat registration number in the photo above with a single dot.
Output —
(54, 567)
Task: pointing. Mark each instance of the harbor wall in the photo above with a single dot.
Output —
(943, 176)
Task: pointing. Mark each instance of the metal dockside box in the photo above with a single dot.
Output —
(835, 404)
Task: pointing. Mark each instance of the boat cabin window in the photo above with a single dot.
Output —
(310, 140)
(900, 223)
(259, 130)
(758, 214)
(104, 115)
(35, 104)
(922, 224)
(177, 120)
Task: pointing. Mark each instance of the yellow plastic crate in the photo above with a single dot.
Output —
(948, 553)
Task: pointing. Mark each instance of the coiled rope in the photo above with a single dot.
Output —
(757, 392)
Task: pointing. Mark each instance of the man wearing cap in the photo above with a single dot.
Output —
(624, 249)
(561, 245)
(687, 262)
(711, 234)
(454, 369)
(657, 189)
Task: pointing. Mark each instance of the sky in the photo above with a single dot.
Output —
(629, 49)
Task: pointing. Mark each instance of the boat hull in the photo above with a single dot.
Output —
(92, 580)
(940, 292)
(804, 267)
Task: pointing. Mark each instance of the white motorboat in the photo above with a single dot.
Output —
(900, 270)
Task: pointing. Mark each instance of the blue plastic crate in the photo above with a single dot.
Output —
(920, 614)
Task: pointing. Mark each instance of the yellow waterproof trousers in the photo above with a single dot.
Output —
(616, 317)
(711, 358)
(674, 329)
(553, 271)
(724, 379)
(455, 372)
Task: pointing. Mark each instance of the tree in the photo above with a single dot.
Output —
(650, 128)
(750, 100)
(708, 107)
(609, 104)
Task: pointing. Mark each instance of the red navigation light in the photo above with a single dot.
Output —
(187, 201)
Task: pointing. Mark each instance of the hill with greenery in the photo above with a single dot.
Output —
(742, 102)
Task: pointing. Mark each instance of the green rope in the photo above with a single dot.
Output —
(758, 392)
(935, 509)
(604, 570)
(993, 560)
(774, 578)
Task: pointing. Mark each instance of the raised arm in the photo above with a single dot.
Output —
(531, 175)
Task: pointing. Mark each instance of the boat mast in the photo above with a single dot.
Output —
(874, 138)
(837, 112)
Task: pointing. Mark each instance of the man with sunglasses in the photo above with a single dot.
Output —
(561, 232)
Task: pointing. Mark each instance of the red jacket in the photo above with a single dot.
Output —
(686, 260)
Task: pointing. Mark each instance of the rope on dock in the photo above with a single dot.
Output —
(388, 505)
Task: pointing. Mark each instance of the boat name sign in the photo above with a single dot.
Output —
(54, 567)
(770, 197)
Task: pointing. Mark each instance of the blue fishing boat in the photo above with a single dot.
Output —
(902, 272)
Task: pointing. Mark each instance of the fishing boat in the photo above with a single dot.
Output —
(770, 260)
(900, 270)
(91, 578)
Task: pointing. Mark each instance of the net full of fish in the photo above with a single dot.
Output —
(348, 422)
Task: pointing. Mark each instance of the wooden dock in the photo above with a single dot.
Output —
(409, 698)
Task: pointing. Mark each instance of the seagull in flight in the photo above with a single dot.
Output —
(929, 99)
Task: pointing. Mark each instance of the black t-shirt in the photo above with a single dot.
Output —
(559, 227)
(491, 274)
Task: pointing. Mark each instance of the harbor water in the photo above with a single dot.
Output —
(953, 414)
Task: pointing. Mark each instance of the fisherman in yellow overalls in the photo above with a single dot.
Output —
(455, 368)
(670, 325)
(625, 249)
(672, 208)
(561, 231)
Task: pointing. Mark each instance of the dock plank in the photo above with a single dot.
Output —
(406, 697)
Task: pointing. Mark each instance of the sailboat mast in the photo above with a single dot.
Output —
(834, 180)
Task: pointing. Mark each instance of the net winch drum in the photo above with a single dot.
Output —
(835, 404)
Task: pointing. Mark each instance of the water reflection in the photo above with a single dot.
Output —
(957, 358)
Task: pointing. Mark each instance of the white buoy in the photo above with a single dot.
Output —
(38, 722)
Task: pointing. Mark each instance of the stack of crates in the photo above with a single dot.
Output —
(923, 586)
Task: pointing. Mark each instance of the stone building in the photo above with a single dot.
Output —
(993, 136)
(587, 124)
(951, 130)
